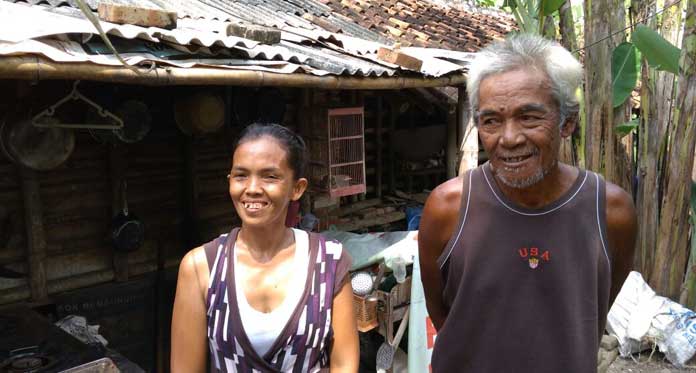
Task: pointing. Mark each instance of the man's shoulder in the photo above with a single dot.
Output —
(447, 195)
(619, 207)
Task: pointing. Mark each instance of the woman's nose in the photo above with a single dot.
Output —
(253, 186)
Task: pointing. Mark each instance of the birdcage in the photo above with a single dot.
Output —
(346, 139)
(337, 151)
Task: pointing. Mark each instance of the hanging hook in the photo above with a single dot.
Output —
(76, 95)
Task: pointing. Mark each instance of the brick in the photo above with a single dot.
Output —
(399, 58)
(131, 15)
(321, 22)
(261, 34)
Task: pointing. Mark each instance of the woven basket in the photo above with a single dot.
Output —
(365, 313)
(391, 308)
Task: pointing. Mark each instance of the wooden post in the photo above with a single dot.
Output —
(191, 193)
(117, 171)
(378, 132)
(36, 240)
(451, 150)
(304, 117)
(469, 143)
(393, 112)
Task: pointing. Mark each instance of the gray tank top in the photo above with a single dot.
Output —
(527, 289)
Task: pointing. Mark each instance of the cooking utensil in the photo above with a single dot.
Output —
(375, 285)
(385, 353)
(200, 113)
(39, 148)
(127, 231)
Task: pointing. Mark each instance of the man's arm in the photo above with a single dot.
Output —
(621, 229)
(437, 225)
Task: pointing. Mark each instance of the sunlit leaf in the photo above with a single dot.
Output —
(550, 6)
(660, 53)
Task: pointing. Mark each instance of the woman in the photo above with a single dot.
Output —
(265, 297)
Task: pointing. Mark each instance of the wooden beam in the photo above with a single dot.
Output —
(132, 15)
(387, 218)
(36, 240)
(117, 170)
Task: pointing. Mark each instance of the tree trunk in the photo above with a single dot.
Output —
(650, 135)
(671, 253)
(566, 26)
(602, 18)
(657, 92)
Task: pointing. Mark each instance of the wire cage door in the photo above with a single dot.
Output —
(346, 137)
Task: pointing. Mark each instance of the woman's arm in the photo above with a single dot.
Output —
(345, 352)
(189, 345)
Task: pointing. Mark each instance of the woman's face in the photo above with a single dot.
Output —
(262, 184)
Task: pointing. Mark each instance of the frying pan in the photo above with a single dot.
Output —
(127, 231)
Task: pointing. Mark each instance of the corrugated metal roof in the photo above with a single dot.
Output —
(202, 28)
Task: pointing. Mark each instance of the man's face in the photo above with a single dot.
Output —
(518, 122)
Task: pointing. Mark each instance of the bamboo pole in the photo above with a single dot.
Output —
(37, 68)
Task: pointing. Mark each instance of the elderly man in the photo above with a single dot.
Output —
(522, 256)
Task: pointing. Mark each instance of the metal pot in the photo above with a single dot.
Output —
(127, 231)
(34, 147)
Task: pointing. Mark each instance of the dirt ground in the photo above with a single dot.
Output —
(657, 364)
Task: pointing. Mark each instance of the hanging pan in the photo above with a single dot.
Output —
(39, 148)
(127, 231)
(200, 113)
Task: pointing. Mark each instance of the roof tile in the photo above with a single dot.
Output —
(427, 24)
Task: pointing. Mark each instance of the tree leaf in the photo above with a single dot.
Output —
(660, 53)
(625, 67)
(624, 129)
(550, 6)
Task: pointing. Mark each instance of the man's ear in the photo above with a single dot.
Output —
(568, 126)
(299, 188)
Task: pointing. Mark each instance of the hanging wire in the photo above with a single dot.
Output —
(628, 27)
(95, 21)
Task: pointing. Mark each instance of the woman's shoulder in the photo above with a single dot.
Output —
(194, 267)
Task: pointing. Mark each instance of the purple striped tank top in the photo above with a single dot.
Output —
(304, 343)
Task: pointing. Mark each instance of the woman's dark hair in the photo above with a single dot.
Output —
(293, 143)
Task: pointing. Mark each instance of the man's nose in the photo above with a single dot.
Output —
(512, 134)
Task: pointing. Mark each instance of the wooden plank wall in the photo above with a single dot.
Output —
(176, 184)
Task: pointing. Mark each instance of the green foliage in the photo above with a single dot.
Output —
(660, 53)
(548, 7)
(625, 68)
(624, 129)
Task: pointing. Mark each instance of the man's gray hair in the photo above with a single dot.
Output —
(529, 51)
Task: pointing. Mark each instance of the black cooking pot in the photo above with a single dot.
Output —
(127, 231)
